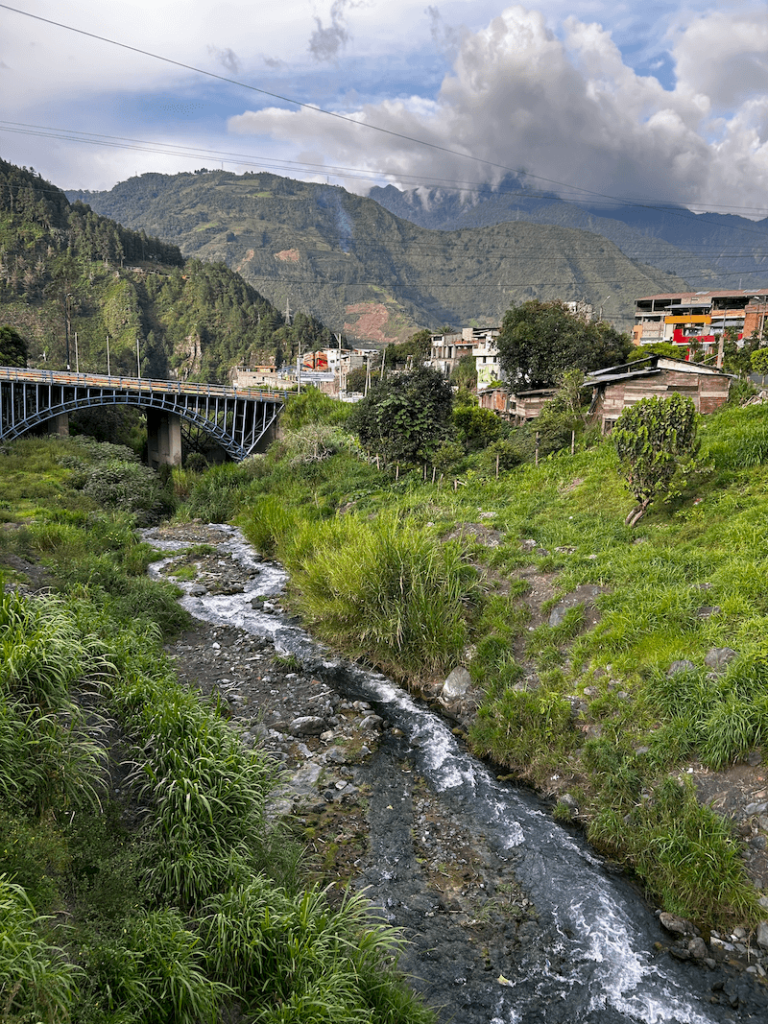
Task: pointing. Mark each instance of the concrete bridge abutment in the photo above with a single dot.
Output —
(163, 438)
(59, 425)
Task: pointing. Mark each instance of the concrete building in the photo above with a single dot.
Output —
(448, 349)
(699, 318)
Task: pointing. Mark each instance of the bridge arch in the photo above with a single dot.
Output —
(239, 421)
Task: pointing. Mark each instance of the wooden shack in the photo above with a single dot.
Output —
(519, 408)
(618, 387)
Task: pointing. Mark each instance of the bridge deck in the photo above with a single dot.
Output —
(239, 419)
(145, 384)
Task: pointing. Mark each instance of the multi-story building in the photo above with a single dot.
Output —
(699, 318)
(449, 349)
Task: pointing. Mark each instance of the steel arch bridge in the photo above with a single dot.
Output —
(238, 420)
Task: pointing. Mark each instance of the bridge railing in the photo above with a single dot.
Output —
(144, 384)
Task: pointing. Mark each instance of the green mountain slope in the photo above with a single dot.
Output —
(84, 291)
(709, 250)
(364, 271)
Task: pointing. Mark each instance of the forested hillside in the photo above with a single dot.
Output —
(709, 250)
(364, 271)
(82, 290)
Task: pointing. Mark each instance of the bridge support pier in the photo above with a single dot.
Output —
(163, 438)
(59, 425)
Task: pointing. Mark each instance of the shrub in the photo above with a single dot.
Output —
(36, 982)
(652, 439)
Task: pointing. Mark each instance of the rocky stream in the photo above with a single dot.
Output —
(510, 918)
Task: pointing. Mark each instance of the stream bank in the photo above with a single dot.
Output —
(388, 805)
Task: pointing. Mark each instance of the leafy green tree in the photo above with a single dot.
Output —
(476, 427)
(540, 340)
(13, 348)
(759, 361)
(653, 438)
(417, 347)
(406, 416)
(464, 375)
(658, 348)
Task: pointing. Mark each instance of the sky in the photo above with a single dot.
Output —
(659, 101)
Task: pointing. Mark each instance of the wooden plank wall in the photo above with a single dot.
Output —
(709, 392)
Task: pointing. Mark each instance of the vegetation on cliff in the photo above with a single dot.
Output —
(84, 291)
(344, 256)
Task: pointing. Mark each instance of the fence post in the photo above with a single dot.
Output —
(538, 438)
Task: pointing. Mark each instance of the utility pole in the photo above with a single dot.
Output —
(109, 373)
(67, 325)
(138, 358)
(77, 357)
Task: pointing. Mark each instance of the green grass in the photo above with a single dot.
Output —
(131, 803)
(361, 549)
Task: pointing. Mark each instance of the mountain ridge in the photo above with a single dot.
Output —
(365, 271)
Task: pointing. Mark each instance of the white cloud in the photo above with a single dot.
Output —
(724, 56)
(569, 109)
(553, 91)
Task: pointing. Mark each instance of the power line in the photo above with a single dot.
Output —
(321, 110)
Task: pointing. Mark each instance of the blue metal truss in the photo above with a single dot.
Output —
(236, 420)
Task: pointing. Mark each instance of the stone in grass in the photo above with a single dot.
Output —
(680, 666)
(762, 935)
(307, 725)
(457, 685)
(719, 657)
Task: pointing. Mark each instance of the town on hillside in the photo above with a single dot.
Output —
(694, 326)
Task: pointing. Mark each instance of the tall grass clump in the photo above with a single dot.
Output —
(48, 755)
(686, 854)
(216, 495)
(726, 715)
(155, 973)
(36, 981)
(205, 792)
(295, 960)
(385, 590)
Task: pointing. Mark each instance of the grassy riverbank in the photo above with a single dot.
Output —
(418, 578)
(139, 877)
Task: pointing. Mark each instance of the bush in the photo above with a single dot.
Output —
(36, 981)
(653, 438)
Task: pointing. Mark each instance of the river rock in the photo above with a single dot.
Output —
(375, 723)
(676, 925)
(762, 935)
(307, 725)
(457, 685)
(680, 666)
(584, 595)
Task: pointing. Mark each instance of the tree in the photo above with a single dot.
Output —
(417, 348)
(653, 438)
(406, 416)
(13, 348)
(759, 361)
(539, 341)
